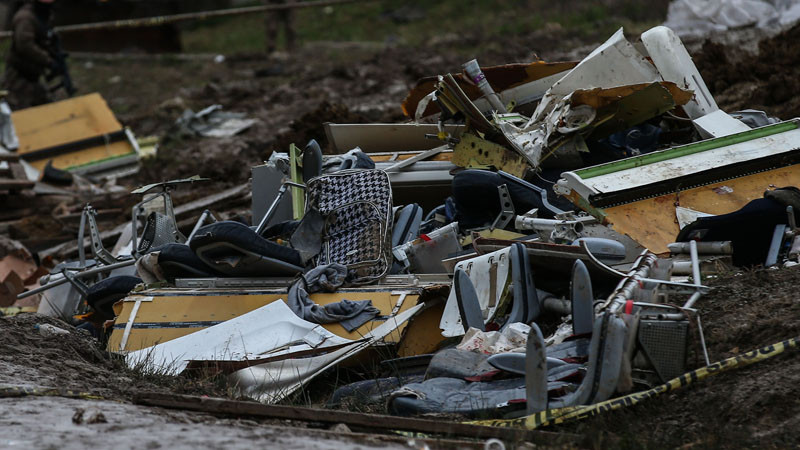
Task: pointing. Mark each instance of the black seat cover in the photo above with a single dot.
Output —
(228, 238)
(102, 295)
(178, 260)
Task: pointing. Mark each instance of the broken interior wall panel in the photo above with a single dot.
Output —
(166, 314)
(72, 132)
(385, 137)
(653, 223)
(620, 108)
(274, 381)
(637, 196)
(477, 153)
(490, 274)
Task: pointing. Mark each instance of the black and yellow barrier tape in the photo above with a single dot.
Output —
(572, 413)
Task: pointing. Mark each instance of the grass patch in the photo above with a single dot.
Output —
(417, 22)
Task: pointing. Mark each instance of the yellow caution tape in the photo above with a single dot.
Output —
(23, 391)
(570, 413)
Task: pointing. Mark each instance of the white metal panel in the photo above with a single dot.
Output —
(615, 63)
(489, 274)
(270, 330)
(273, 381)
(698, 162)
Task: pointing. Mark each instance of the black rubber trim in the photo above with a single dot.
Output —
(60, 149)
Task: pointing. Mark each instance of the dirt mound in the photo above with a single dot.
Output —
(739, 80)
(753, 406)
(76, 361)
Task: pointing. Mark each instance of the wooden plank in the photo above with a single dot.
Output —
(205, 202)
(15, 184)
(370, 421)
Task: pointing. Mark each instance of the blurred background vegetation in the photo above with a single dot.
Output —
(419, 22)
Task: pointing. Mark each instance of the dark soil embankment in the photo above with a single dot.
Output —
(755, 406)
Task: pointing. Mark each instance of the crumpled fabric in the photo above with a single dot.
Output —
(513, 338)
(350, 314)
(148, 269)
(354, 159)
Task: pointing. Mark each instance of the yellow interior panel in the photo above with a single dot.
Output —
(62, 122)
(423, 334)
(652, 222)
(210, 306)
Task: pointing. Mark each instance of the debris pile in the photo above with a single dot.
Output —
(532, 248)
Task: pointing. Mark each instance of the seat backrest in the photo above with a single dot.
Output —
(357, 207)
(158, 230)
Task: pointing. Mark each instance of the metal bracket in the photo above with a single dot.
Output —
(274, 206)
(79, 285)
(506, 208)
(98, 250)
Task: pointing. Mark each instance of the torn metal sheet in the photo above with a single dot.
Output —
(614, 63)
(476, 153)
(8, 134)
(619, 108)
(558, 139)
(213, 122)
(718, 124)
(520, 83)
(273, 381)
(686, 216)
(425, 254)
(268, 331)
(674, 64)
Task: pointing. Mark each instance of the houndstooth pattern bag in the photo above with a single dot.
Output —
(357, 206)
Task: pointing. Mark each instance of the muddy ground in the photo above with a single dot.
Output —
(753, 407)
(291, 96)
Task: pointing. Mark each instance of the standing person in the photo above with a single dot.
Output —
(275, 20)
(29, 58)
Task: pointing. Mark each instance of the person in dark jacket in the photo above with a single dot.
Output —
(28, 58)
(273, 21)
